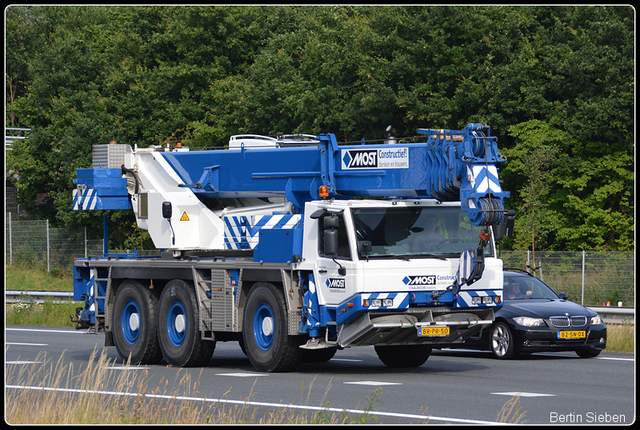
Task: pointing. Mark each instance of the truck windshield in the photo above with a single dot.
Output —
(422, 232)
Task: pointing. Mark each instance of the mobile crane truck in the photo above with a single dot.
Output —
(295, 247)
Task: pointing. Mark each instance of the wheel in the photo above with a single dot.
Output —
(265, 338)
(502, 343)
(134, 324)
(588, 352)
(403, 355)
(178, 326)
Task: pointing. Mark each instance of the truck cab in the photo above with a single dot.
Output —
(373, 258)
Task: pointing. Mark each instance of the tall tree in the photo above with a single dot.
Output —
(81, 75)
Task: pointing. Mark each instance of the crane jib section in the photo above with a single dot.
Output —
(448, 165)
(451, 165)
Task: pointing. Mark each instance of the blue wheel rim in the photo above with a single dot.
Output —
(263, 328)
(176, 324)
(131, 314)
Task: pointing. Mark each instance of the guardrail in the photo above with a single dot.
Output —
(610, 314)
(38, 296)
(615, 315)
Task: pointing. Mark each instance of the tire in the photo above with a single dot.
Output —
(403, 355)
(588, 352)
(501, 342)
(179, 328)
(134, 324)
(265, 338)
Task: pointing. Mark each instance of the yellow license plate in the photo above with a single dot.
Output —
(578, 334)
(433, 331)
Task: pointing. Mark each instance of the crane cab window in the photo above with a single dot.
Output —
(415, 232)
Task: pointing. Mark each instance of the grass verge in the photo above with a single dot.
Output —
(22, 278)
(55, 393)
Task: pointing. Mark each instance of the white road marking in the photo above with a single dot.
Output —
(26, 344)
(125, 368)
(372, 383)
(524, 394)
(23, 362)
(242, 375)
(616, 359)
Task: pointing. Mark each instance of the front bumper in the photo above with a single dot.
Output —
(403, 328)
(546, 339)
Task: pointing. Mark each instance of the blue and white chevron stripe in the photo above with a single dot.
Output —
(486, 179)
(241, 232)
(85, 199)
(100, 198)
(465, 298)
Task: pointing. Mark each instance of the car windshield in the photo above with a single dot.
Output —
(526, 287)
(408, 232)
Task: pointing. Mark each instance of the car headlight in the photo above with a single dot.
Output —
(529, 322)
(596, 320)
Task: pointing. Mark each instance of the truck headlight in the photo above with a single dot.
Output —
(529, 322)
(482, 300)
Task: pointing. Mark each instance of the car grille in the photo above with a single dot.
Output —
(578, 321)
(568, 321)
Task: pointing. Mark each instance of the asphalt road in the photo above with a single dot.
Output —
(456, 387)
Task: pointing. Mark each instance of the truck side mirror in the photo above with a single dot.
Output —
(166, 213)
(331, 223)
(505, 229)
(509, 223)
(364, 246)
(166, 210)
(470, 268)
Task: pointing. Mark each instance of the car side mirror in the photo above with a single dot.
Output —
(564, 296)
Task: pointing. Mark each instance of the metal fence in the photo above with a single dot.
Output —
(33, 243)
(590, 278)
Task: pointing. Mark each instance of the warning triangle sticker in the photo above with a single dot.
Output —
(184, 217)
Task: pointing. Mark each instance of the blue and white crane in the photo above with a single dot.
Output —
(296, 246)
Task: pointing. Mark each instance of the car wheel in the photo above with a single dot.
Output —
(588, 352)
(502, 343)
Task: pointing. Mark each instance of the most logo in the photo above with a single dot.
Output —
(420, 280)
(358, 159)
(387, 158)
(335, 283)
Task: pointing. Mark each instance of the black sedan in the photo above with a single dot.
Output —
(534, 318)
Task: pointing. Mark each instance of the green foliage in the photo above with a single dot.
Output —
(559, 77)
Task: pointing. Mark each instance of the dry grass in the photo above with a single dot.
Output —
(55, 393)
(511, 412)
(621, 337)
